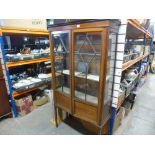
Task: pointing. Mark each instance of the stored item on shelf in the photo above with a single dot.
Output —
(142, 81)
(10, 51)
(144, 67)
(132, 97)
(121, 96)
(131, 74)
(26, 51)
(135, 55)
(35, 51)
(129, 85)
(28, 83)
(117, 121)
(18, 57)
(45, 77)
(20, 86)
(122, 113)
(36, 81)
(12, 57)
(138, 48)
(127, 106)
(45, 55)
(41, 101)
(24, 105)
(45, 52)
(27, 56)
(37, 55)
(147, 49)
(127, 57)
(18, 76)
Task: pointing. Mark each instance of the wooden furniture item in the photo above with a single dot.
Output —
(5, 108)
(83, 79)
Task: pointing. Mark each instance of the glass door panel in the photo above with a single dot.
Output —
(62, 61)
(87, 57)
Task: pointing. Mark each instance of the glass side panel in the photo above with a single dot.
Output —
(110, 67)
(109, 77)
(87, 55)
(62, 61)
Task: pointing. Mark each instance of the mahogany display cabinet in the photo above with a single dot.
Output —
(83, 61)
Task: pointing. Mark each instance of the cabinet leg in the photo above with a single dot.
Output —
(132, 104)
(100, 131)
(67, 114)
(56, 116)
(60, 116)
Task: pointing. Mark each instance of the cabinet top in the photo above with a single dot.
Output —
(73, 23)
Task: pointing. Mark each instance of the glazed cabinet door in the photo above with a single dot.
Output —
(87, 56)
(61, 69)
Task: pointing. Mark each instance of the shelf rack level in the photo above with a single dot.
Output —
(13, 105)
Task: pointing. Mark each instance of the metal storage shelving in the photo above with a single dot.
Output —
(8, 65)
(133, 31)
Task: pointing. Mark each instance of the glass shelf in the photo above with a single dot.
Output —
(81, 75)
(89, 54)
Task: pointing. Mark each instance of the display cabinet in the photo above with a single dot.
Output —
(83, 76)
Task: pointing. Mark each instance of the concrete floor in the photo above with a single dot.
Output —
(141, 120)
(37, 122)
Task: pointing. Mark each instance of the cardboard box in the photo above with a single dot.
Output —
(24, 105)
(117, 121)
(127, 107)
(39, 24)
(122, 113)
(43, 100)
(121, 98)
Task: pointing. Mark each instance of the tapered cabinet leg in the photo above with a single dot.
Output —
(100, 131)
(60, 116)
(56, 116)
